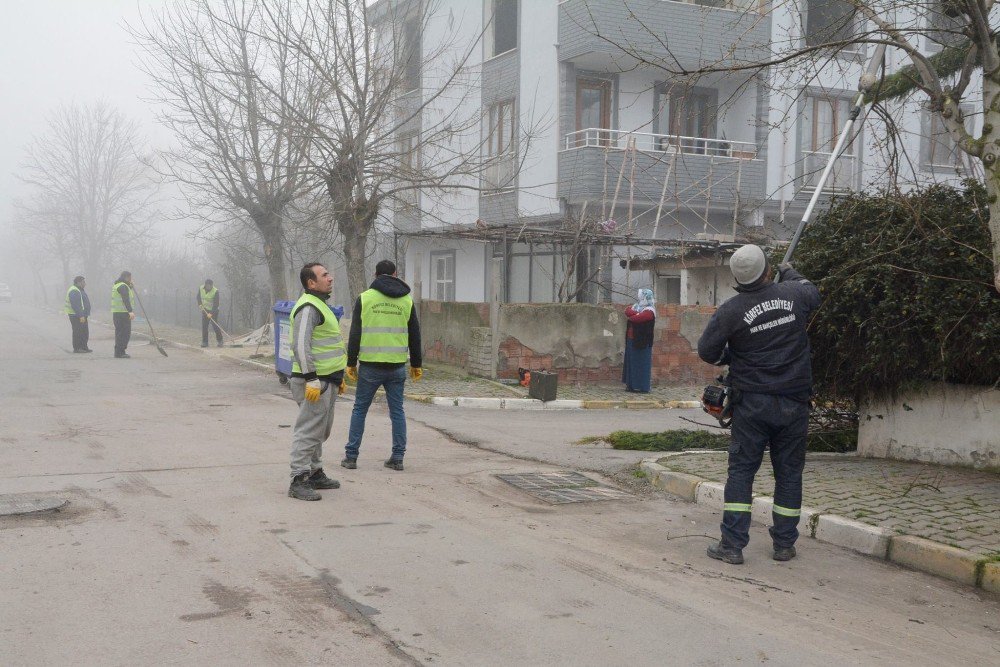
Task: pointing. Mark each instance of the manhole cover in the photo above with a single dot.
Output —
(14, 505)
(559, 488)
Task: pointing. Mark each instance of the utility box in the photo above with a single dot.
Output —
(543, 385)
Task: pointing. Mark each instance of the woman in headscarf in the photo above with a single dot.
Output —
(639, 343)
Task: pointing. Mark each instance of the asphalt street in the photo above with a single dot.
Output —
(179, 544)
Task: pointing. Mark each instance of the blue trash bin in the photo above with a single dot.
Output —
(282, 350)
(282, 345)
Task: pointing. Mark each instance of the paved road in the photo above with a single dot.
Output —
(179, 544)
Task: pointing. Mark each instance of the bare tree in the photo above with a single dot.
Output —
(945, 42)
(237, 104)
(401, 119)
(92, 192)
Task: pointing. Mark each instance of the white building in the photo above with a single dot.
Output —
(577, 128)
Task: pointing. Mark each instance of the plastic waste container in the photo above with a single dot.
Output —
(282, 345)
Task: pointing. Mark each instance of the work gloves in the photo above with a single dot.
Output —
(416, 373)
(342, 388)
(313, 389)
(208, 315)
(131, 316)
(82, 320)
(352, 373)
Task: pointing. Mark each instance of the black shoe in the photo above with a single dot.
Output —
(122, 356)
(726, 553)
(319, 480)
(394, 464)
(86, 349)
(302, 489)
(78, 351)
(349, 463)
(783, 553)
(204, 344)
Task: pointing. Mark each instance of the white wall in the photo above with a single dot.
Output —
(538, 106)
(471, 279)
(943, 423)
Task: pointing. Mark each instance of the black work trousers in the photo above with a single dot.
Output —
(81, 332)
(204, 329)
(779, 423)
(123, 332)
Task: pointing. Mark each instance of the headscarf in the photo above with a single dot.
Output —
(645, 301)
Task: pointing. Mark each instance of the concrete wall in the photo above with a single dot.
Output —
(446, 329)
(581, 342)
(942, 423)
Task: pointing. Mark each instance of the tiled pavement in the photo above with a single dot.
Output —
(951, 505)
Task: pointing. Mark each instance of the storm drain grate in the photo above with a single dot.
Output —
(559, 488)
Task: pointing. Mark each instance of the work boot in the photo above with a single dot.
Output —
(394, 464)
(349, 463)
(301, 489)
(783, 553)
(726, 553)
(319, 480)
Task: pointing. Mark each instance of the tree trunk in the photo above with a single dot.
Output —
(355, 244)
(993, 191)
(269, 226)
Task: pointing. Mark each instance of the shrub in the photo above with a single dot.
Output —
(907, 291)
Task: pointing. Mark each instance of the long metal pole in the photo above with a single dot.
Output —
(873, 66)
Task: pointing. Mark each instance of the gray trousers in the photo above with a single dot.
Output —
(312, 426)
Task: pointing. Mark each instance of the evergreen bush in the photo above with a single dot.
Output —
(907, 291)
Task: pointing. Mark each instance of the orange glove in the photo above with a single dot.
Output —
(342, 388)
(352, 373)
(82, 320)
(416, 373)
(313, 390)
(208, 315)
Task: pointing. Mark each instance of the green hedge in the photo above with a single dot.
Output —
(907, 291)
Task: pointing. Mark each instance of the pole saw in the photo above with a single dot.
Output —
(717, 399)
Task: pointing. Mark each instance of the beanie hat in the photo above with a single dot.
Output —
(748, 264)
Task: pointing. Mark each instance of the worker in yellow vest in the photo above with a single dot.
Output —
(318, 361)
(208, 304)
(122, 303)
(384, 334)
(78, 308)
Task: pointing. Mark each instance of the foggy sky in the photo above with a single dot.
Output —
(64, 51)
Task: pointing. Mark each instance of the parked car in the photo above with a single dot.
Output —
(5, 294)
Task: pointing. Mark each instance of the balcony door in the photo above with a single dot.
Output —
(593, 111)
(690, 115)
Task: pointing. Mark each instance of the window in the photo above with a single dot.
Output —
(686, 114)
(443, 275)
(937, 147)
(668, 289)
(501, 33)
(500, 145)
(829, 21)
(823, 120)
(944, 25)
(593, 110)
(409, 54)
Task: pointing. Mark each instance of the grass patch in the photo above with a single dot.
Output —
(683, 439)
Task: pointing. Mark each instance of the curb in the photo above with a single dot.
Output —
(467, 401)
(915, 553)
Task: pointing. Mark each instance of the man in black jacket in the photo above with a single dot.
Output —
(385, 334)
(761, 335)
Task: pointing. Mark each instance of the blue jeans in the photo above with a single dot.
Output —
(370, 378)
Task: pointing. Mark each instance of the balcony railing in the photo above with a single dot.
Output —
(843, 177)
(660, 143)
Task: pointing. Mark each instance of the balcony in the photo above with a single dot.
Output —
(699, 170)
(720, 32)
(843, 177)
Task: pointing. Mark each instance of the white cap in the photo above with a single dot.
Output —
(748, 264)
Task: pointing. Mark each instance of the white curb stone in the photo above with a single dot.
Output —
(710, 494)
(869, 540)
(444, 400)
(474, 402)
(761, 509)
(563, 404)
(522, 404)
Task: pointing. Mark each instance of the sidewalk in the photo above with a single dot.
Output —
(939, 519)
(442, 381)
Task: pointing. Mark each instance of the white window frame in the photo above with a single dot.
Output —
(501, 128)
(491, 24)
(442, 287)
